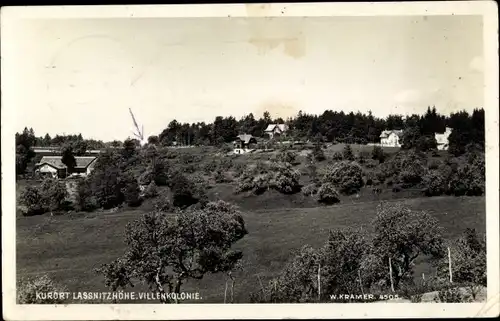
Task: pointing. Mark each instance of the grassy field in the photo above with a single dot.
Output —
(69, 247)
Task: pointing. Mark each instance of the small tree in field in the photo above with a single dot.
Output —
(32, 199)
(164, 251)
(468, 257)
(68, 158)
(347, 153)
(297, 281)
(327, 193)
(347, 176)
(402, 234)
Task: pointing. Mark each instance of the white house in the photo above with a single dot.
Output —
(391, 138)
(54, 167)
(442, 139)
(276, 130)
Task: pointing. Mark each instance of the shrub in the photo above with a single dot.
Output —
(151, 190)
(347, 176)
(450, 295)
(296, 282)
(286, 156)
(28, 288)
(435, 183)
(318, 154)
(468, 179)
(403, 235)
(50, 196)
(146, 177)
(32, 199)
(185, 192)
(328, 194)
(310, 189)
(130, 189)
(163, 204)
(285, 179)
(337, 156)
(378, 154)
(85, 198)
(347, 153)
(468, 257)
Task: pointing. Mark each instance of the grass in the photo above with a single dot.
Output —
(69, 247)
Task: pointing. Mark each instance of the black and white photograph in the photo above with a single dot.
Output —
(197, 161)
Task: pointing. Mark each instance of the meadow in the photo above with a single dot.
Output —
(69, 247)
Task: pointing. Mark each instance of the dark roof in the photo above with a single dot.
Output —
(56, 161)
(246, 138)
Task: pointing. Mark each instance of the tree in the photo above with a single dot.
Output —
(185, 192)
(285, 178)
(347, 153)
(378, 154)
(341, 259)
(68, 158)
(153, 140)
(402, 235)
(296, 283)
(164, 251)
(468, 257)
(347, 176)
(327, 193)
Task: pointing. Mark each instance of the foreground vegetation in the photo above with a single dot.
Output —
(275, 224)
(70, 247)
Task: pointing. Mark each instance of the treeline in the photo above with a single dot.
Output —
(336, 127)
(331, 126)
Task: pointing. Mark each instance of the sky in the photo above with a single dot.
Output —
(82, 75)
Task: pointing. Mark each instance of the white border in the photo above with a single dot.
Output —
(487, 9)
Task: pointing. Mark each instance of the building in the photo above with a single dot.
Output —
(244, 143)
(391, 138)
(442, 139)
(54, 167)
(276, 130)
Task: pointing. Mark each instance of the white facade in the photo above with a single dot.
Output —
(390, 138)
(276, 129)
(47, 169)
(442, 139)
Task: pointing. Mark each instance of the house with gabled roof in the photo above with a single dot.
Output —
(54, 167)
(276, 130)
(391, 138)
(442, 139)
(244, 143)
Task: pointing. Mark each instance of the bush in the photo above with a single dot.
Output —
(347, 176)
(396, 188)
(318, 154)
(50, 196)
(378, 154)
(163, 204)
(286, 156)
(28, 288)
(32, 199)
(328, 194)
(468, 179)
(468, 257)
(435, 183)
(186, 193)
(151, 190)
(337, 156)
(347, 153)
(310, 189)
(130, 190)
(285, 179)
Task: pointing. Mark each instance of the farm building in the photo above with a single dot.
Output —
(276, 130)
(391, 138)
(442, 139)
(244, 143)
(53, 166)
